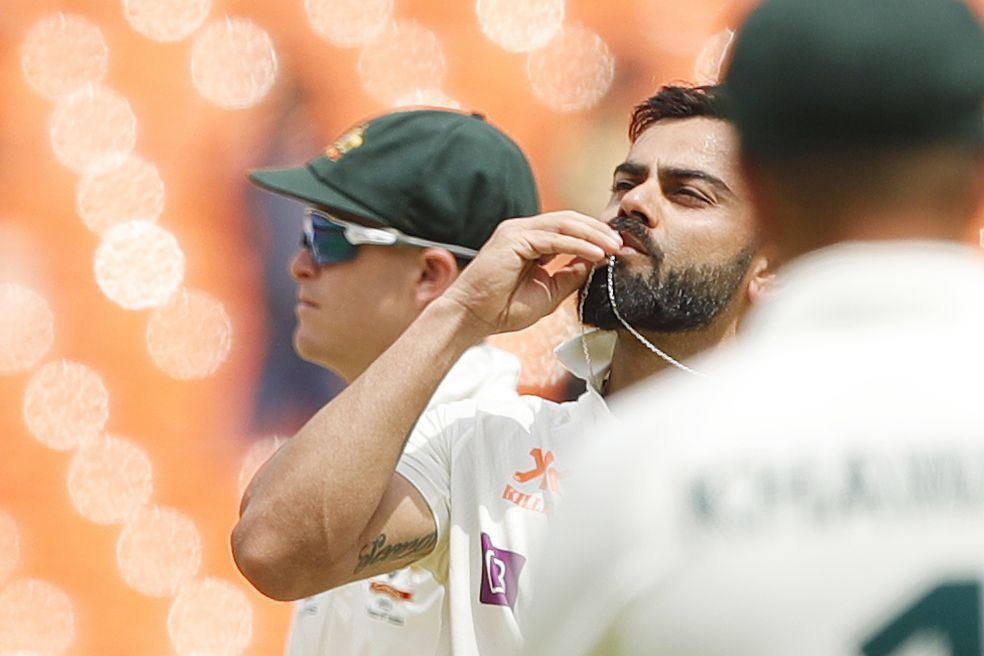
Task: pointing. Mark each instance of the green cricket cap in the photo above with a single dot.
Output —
(817, 74)
(444, 176)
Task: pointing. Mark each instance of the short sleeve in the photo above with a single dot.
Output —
(426, 464)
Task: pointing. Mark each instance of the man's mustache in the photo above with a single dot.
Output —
(636, 227)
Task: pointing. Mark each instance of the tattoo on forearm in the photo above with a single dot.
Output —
(378, 551)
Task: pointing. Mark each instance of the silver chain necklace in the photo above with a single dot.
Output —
(618, 315)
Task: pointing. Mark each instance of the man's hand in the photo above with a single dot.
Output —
(507, 287)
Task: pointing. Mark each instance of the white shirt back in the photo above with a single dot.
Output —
(820, 494)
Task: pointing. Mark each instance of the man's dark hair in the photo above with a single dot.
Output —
(675, 102)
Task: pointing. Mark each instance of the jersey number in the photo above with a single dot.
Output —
(952, 609)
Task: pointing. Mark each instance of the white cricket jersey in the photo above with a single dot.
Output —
(400, 613)
(492, 474)
(820, 493)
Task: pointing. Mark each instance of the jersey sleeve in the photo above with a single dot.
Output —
(426, 464)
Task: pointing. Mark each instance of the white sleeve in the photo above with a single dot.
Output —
(426, 464)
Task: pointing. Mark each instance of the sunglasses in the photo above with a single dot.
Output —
(331, 240)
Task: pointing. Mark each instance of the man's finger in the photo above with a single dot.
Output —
(575, 225)
(536, 244)
(572, 276)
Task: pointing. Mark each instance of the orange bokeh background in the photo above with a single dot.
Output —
(195, 432)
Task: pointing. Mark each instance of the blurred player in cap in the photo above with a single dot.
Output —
(821, 492)
(471, 495)
(395, 207)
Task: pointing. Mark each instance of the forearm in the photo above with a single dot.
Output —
(308, 509)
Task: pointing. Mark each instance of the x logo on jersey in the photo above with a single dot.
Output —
(542, 467)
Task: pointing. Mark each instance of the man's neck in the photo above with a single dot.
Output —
(872, 225)
(632, 361)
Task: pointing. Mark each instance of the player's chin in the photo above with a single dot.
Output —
(307, 347)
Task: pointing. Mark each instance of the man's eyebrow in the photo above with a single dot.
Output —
(687, 174)
(633, 169)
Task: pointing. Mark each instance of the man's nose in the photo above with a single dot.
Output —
(302, 265)
(642, 202)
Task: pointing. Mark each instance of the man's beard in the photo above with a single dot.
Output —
(666, 300)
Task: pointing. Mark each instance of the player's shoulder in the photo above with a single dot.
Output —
(527, 420)
(471, 416)
(527, 412)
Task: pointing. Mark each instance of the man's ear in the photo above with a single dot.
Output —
(761, 279)
(437, 269)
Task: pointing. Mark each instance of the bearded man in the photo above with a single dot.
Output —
(469, 495)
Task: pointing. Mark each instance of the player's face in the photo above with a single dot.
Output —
(349, 312)
(682, 209)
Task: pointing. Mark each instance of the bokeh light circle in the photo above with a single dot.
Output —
(9, 546)
(572, 72)
(132, 191)
(159, 550)
(348, 23)
(261, 451)
(109, 479)
(210, 617)
(429, 97)
(707, 65)
(520, 25)
(139, 264)
(36, 619)
(65, 404)
(93, 130)
(534, 346)
(62, 54)
(403, 58)
(166, 20)
(233, 63)
(27, 328)
(189, 336)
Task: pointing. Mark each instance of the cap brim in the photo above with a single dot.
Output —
(301, 184)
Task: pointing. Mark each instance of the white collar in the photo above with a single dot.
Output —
(600, 345)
